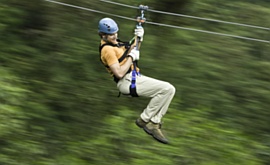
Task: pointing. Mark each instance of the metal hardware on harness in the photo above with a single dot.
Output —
(140, 20)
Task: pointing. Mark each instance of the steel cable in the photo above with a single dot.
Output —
(188, 16)
(158, 24)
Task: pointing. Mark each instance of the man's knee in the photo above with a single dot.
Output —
(170, 89)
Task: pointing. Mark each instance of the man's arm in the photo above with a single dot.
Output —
(120, 71)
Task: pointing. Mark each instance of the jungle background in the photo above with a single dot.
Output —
(59, 106)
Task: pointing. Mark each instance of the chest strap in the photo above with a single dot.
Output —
(120, 44)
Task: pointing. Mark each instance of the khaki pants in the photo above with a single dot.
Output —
(161, 93)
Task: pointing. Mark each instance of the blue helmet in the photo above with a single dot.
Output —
(107, 25)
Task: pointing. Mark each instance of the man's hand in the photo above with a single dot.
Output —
(139, 32)
(135, 54)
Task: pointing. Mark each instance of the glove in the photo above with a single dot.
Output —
(135, 54)
(139, 32)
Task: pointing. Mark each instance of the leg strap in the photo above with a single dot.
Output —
(133, 91)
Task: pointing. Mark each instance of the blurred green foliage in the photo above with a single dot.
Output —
(58, 106)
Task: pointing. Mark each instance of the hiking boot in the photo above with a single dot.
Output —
(154, 130)
(140, 123)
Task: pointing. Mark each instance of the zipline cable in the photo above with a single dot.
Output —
(188, 16)
(92, 10)
(158, 24)
(209, 32)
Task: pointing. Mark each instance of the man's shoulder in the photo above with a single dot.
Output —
(107, 48)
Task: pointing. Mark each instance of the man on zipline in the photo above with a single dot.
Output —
(120, 60)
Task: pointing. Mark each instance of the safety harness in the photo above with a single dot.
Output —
(140, 20)
(132, 87)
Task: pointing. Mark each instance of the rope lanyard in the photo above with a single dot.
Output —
(140, 20)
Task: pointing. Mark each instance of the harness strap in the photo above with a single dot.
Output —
(132, 87)
(126, 44)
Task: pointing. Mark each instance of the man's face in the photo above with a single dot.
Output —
(112, 38)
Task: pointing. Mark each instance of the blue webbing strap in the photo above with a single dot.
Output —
(132, 87)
